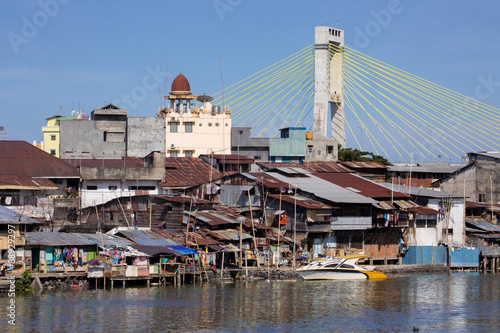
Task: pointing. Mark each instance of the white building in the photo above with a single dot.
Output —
(191, 131)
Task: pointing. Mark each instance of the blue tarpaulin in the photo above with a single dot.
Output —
(181, 249)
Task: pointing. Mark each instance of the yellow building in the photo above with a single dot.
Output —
(191, 131)
(51, 137)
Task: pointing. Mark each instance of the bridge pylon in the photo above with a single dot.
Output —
(329, 83)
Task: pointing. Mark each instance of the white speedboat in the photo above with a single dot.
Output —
(339, 268)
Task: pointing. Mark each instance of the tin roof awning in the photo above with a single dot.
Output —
(385, 205)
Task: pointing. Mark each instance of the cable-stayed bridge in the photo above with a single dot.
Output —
(369, 104)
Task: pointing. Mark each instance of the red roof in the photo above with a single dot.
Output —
(187, 172)
(424, 210)
(180, 83)
(360, 185)
(268, 181)
(303, 202)
(316, 166)
(13, 181)
(364, 165)
(22, 159)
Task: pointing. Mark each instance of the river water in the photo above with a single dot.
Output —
(459, 302)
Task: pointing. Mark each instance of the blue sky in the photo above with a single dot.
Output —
(85, 54)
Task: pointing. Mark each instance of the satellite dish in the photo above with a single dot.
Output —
(204, 98)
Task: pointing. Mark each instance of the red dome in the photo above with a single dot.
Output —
(180, 84)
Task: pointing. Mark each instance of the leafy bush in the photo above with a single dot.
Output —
(23, 285)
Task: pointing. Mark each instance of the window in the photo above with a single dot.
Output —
(256, 157)
(216, 124)
(112, 187)
(141, 188)
(52, 152)
(91, 187)
(481, 197)
(52, 137)
(173, 153)
(209, 124)
(329, 150)
(173, 127)
(188, 127)
(188, 153)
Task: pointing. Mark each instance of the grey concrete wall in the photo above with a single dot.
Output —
(243, 144)
(83, 139)
(144, 135)
(155, 172)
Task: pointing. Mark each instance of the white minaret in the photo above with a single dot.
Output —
(329, 82)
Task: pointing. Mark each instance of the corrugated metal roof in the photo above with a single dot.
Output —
(483, 225)
(231, 234)
(269, 181)
(365, 186)
(432, 167)
(9, 216)
(424, 210)
(384, 205)
(147, 237)
(403, 204)
(73, 239)
(364, 165)
(303, 201)
(245, 174)
(316, 166)
(18, 182)
(187, 172)
(323, 189)
(420, 191)
(25, 160)
(213, 219)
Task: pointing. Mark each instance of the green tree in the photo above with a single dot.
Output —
(356, 155)
(23, 285)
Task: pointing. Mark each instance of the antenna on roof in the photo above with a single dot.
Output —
(223, 117)
(166, 75)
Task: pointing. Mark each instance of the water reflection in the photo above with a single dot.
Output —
(434, 303)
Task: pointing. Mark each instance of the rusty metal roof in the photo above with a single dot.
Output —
(187, 172)
(182, 199)
(360, 185)
(325, 167)
(228, 235)
(303, 201)
(127, 162)
(148, 237)
(364, 165)
(229, 158)
(403, 204)
(22, 159)
(267, 180)
(386, 205)
(20, 182)
(316, 166)
(213, 218)
(424, 210)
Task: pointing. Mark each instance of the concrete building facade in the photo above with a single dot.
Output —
(191, 131)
